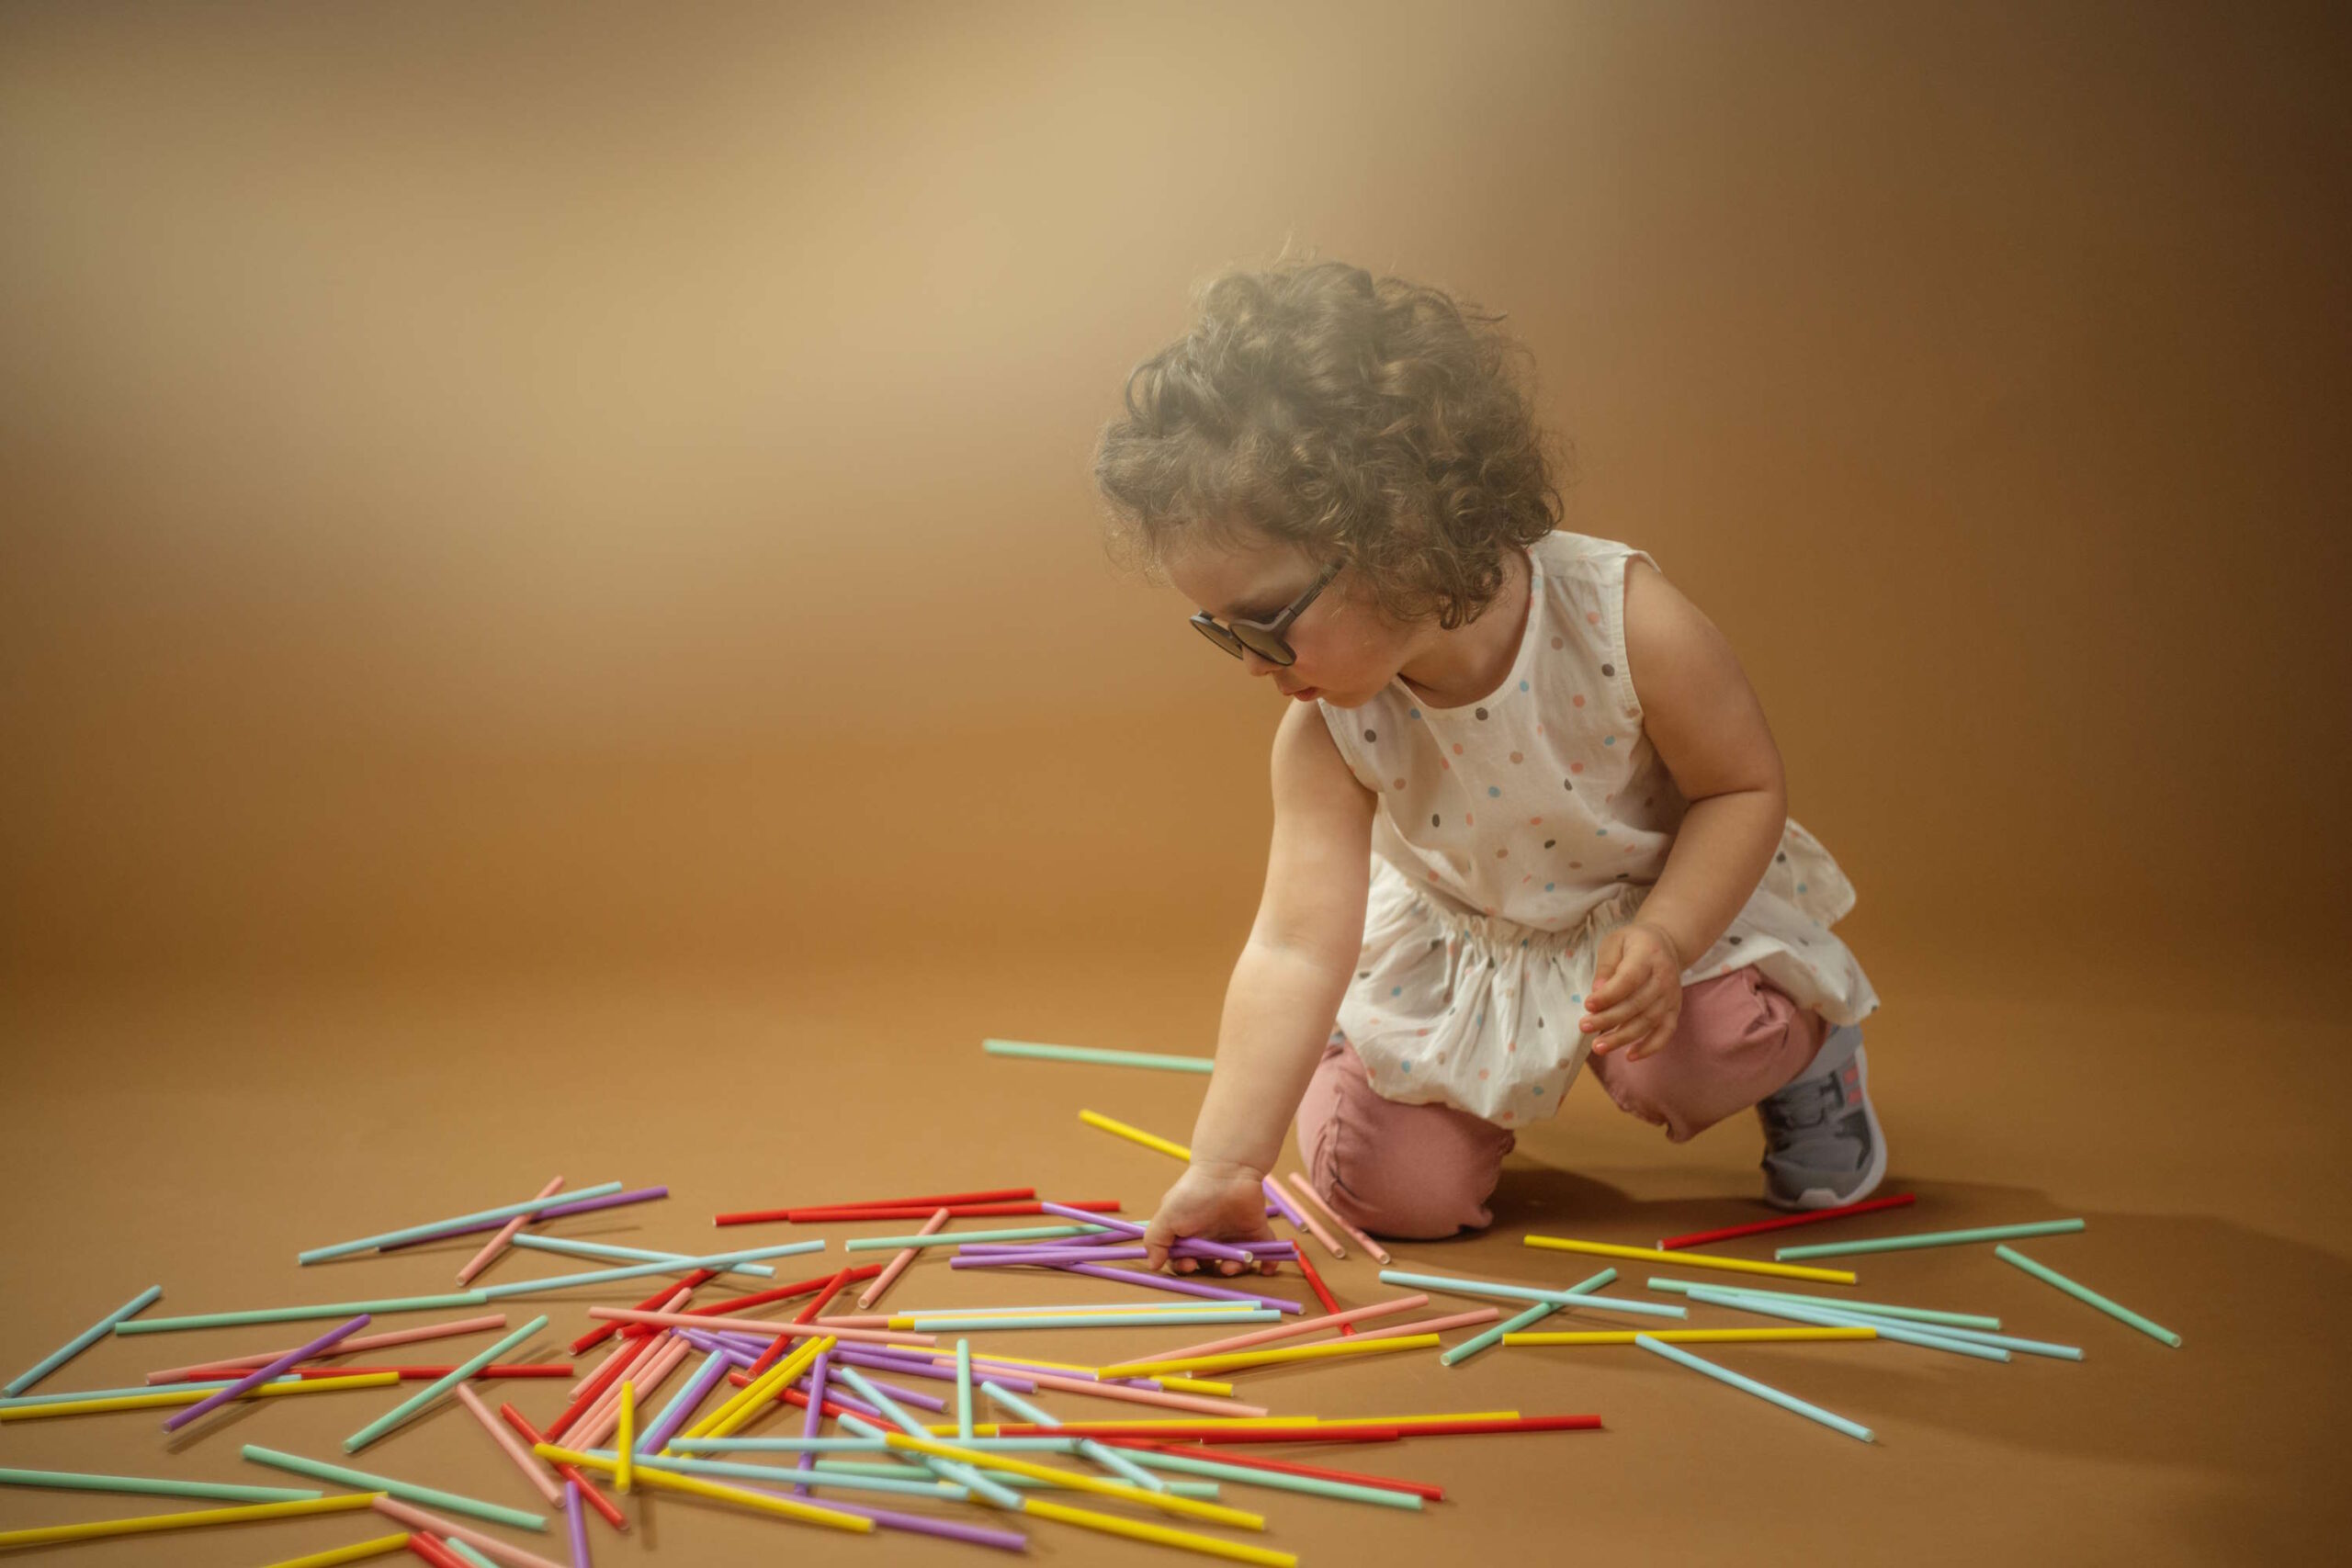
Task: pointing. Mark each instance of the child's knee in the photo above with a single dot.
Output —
(1414, 1195)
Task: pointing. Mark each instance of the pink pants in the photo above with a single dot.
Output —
(1424, 1171)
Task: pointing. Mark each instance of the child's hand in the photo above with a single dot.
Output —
(1217, 1202)
(1636, 995)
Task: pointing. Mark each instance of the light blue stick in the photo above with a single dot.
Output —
(1880, 1321)
(1205, 1489)
(1836, 1303)
(1901, 1333)
(1093, 1320)
(292, 1315)
(859, 1445)
(777, 1475)
(963, 1390)
(1929, 1238)
(1346, 1491)
(464, 1553)
(400, 1412)
(947, 1470)
(84, 1341)
(408, 1492)
(70, 1481)
(639, 1270)
(1108, 1458)
(418, 1233)
(1532, 1315)
(70, 1395)
(1761, 1391)
(1103, 1058)
(1523, 1293)
(626, 1254)
(2085, 1294)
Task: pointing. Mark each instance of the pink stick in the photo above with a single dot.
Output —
(1196, 1404)
(1434, 1324)
(764, 1329)
(1315, 1227)
(1284, 1330)
(232, 1367)
(605, 1415)
(856, 1320)
(898, 1264)
(490, 1546)
(1369, 1244)
(524, 1460)
(497, 1244)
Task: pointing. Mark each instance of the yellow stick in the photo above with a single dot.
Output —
(1214, 1513)
(1241, 1359)
(1160, 1535)
(341, 1554)
(664, 1480)
(342, 1504)
(1694, 1335)
(1173, 1385)
(1257, 1424)
(189, 1396)
(1691, 1260)
(777, 1378)
(1135, 1135)
(624, 1439)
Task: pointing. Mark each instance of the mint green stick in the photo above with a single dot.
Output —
(468, 1554)
(1101, 1058)
(1875, 1309)
(70, 1481)
(410, 1406)
(2084, 1294)
(1928, 1238)
(291, 1314)
(1532, 1316)
(1346, 1492)
(1093, 1320)
(407, 1491)
(1765, 1392)
(1027, 1233)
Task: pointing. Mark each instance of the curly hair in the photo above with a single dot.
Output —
(1374, 421)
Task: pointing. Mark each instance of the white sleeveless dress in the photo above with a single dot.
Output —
(1513, 833)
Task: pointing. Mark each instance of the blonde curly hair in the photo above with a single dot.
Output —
(1371, 420)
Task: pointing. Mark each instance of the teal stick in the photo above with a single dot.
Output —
(639, 1270)
(1094, 1320)
(1101, 1058)
(2083, 1293)
(822, 1475)
(1902, 1334)
(947, 1469)
(1838, 1303)
(1202, 1491)
(1928, 1238)
(418, 1233)
(464, 1553)
(292, 1315)
(400, 1412)
(112, 1322)
(1524, 1293)
(1762, 1390)
(1028, 1232)
(1110, 1458)
(1532, 1316)
(1882, 1323)
(1344, 1491)
(406, 1490)
(70, 1481)
(859, 1445)
(963, 1391)
(68, 1397)
(627, 1254)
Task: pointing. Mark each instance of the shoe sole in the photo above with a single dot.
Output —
(1821, 1197)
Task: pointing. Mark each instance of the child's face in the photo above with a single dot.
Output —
(1347, 650)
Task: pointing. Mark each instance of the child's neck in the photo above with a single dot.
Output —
(1451, 669)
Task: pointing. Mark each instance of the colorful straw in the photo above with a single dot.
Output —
(96, 1528)
(107, 1325)
(490, 1546)
(1760, 1227)
(212, 1491)
(337, 1556)
(350, 1347)
(261, 1375)
(158, 1398)
(1306, 1190)
(292, 1315)
(364, 1481)
(1690, 1260)
(1761, 1391)
(1135, 1135)
(1874, 1309)
(1524, 1293)
(1931, 1238)
(2085, 1294)
(564, 1208)
(639, 1254)
(533, 1472)
(1105, 1058)
(409, 1408)
(445, 1227)
(1519, 1325)
(506, 1233)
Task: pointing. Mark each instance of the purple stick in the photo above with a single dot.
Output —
(932, 1369)
(818, 1372)
(713, 1367)
(978, 1534)
(1290, 1210)
(579, 1524)
(253, 1380)
(584, 1206)
(1018, 1261)
(1182, 1287)
(1123, 1226)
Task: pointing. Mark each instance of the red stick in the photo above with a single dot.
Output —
(597, 1336)
(1458, 1429)
(421, 1374)
(588, 1492)
(1322, 1291)
(429, 1546)
(999, 1195)
(954, 1211)
(1868, 1206)
(593, 1389)
(1386, 1482)
(734, 1304)
(1206, 1433)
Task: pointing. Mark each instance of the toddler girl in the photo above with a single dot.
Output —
(1526, 804)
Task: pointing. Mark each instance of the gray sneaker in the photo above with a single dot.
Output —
(1822, 1143)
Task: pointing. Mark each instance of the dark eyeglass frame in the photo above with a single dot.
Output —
(1263, 638)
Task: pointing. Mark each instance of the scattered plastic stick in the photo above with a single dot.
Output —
(263, 1374)
(1323, 1294)
(1875, 1309)
(96, 1528)
(997, 1195)
(533, 1472)
(1306, 1190)
(488, 1546)
(2085, 1294)
(364, 1481)
(1085, 1208)
(1084, 1320)
(1310, 1223)
(933, 1238)
(1905, 1333)
(564, 1208)
(231, 1367)
(575, 1519)
(160, 1398)
(1694, 1336)
(334, 1557)
(107, 1325)
(1690, 1260)
(506, 1233)
(210, 1490)
(1283, 1331)
(1929, 1238)
(595, 1499)
(438, 1228)
(671, 1297)
(399, 1415)
(1762, 1390)
(294, 1315)
(1733, 1233)
(1574, 1298)
(1101, 1058)
(1366, 1345)
(764, 1502)
(1135, 1135)
(1499, 1332)
(639, 1270)
(569, 1247)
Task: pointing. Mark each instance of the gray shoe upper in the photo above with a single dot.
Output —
(1822, 1143)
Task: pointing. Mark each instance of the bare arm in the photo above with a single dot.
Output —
(1285, 989)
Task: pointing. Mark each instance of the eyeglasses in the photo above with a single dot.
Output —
(1263, 638)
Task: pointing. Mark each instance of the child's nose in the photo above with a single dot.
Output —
(1256, 664)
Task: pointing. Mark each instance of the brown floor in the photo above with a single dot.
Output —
(199, 1142)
